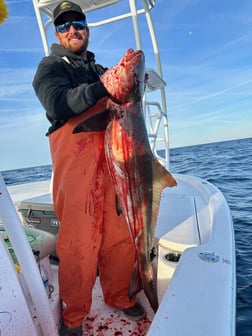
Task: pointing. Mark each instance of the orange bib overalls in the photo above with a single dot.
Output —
(91, 234)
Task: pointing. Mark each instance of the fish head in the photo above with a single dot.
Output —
(125, 81)
(133, 66)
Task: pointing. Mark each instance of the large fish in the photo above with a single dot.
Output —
(137, 176)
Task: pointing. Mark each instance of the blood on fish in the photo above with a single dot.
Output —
(137, 175)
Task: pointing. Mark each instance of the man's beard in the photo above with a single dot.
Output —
(82, 49)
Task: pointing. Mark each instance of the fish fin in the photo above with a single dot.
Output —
(135, 282)
(95, 123)
(161, 179)
(162, 176)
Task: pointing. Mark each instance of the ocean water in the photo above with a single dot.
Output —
(228, 165)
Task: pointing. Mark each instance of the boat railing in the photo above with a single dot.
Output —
(30, 271)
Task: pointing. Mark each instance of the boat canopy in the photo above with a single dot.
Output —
(155, 112)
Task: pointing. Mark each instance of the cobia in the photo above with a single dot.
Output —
(137, 176)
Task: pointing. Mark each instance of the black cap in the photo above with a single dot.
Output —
(67, 6)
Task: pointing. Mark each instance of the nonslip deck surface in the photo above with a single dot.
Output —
(106, 321)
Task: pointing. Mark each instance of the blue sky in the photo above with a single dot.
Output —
(206, 53)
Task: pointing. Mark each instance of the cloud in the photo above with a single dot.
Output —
(21, 51)
(15, 83)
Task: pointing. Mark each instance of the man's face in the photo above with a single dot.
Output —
(74, 40)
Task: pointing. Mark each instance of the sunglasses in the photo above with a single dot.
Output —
(65, 27)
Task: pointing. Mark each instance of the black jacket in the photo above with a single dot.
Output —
(66, 85)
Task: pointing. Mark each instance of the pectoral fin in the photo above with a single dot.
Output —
(95, 123)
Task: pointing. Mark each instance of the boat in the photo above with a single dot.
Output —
(195, 262)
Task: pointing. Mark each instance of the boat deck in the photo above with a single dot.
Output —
(192, 223)
(102, 320)
(106, 321)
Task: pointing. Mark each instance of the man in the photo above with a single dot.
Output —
(91, 234)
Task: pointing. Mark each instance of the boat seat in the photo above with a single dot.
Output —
(42, 243)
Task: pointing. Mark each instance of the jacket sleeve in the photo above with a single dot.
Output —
(57, 93)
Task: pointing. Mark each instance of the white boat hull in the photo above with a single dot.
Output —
(199, 299)
(195, 267)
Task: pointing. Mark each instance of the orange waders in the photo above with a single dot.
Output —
(91, 234)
